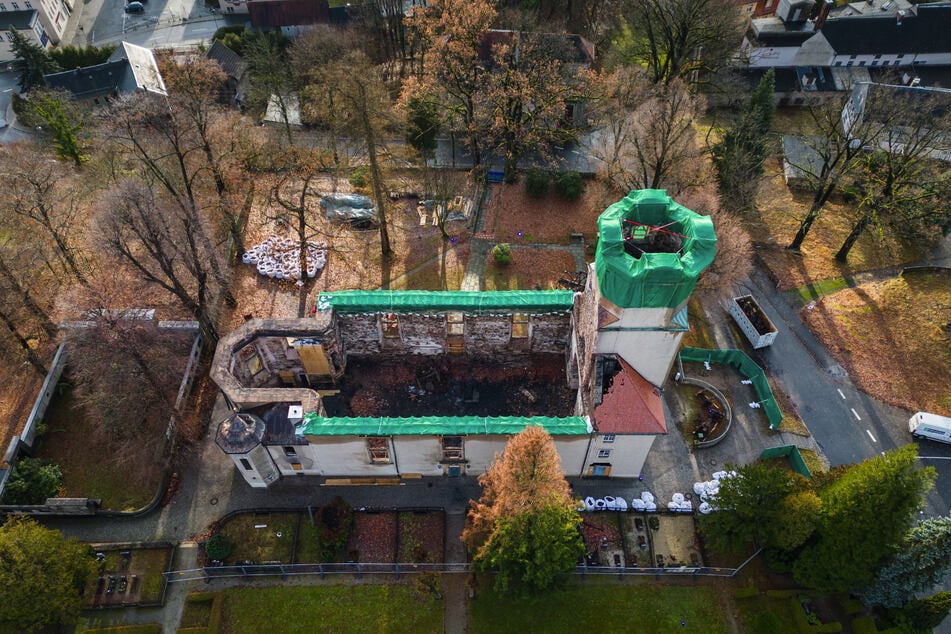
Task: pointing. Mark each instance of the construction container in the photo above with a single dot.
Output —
(753, 321)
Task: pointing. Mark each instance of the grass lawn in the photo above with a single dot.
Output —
(260, 538)
(603, 606)
(362, 608)
(766, 615)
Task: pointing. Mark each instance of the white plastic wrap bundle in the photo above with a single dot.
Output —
(647, 496)
(678, 498)
(610, 502)
(600, 504)
(705, 508)
(279, 258)
(637, 504)
(621, 504)
(589, 503)
(679, 503)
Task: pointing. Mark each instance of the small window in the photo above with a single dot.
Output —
(16, 7)
(862, 63)
(839, 63)
(3, 7)
(379, 449)
(852, 56)
(604, 453)
(899, 56)
(452, 448)
(290, 452)
(878, 57)
(519, 326)
(608, 438)
(28, 5)
(850, 63)
(247, 465)
(456, 323)
(391, 325)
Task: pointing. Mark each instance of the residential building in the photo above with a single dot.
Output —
(386, 384)
(128, 69)
(27, 23)
(52, 16)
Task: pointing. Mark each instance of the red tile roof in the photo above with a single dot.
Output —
(630, 406)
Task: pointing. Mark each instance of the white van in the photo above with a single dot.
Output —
(932, 426)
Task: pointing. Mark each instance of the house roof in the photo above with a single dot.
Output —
(314, 425)
(630, 406)
(466, 301)
(288, 13)
(800, 159)
(231, 63)
(565, 47)
(924, 31)
(93, 81)
(20, 20)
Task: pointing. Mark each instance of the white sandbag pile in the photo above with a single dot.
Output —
(644, 503)
(679, 503)
(607, 503)
(707, 491)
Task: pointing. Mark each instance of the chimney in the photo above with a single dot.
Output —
(824, 9)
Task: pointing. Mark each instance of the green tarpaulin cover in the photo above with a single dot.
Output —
(473, 302)
(655, 279)
(314, 425)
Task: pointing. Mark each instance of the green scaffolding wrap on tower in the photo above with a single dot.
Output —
(651, 250)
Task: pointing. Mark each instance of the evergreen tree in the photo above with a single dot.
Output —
(922, 562)
(32, 481)
(739, 156)
(524, 527)
(31, 61)
(923, 615)
(865, 513)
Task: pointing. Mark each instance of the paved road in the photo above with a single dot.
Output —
(8, 84)
(848, 424)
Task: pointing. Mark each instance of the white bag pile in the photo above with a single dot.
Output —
(279, 258)
(607, 503)
(707, 491)
(680, 503)
(644, 503)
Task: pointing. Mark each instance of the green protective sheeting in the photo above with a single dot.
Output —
(654, 280)
(748, 368)
(791, 452)
(315, 425)
(472, 302)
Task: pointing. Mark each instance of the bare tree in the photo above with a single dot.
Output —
(158, 240)
(647, 139)
(46, 195)
(678, 38)
(162, 140)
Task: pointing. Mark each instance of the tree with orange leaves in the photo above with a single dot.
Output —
(525, 526)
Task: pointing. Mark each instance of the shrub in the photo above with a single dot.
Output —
(536, 182)
(360, 177)
(502, 254)
(569, 185)
(32, 481)
(218, 547)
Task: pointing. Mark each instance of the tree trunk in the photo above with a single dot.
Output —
(385, 249)
(818, 202)
(843, 254)
(30, 353)
(45, 322)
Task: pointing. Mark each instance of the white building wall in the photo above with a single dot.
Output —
(652, 353)
(262, 471)
(346, 456)
(627, 454)
(420, 454)
(931, 59)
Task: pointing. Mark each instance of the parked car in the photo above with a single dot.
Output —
(135, 7)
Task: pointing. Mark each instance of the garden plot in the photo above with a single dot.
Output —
(260, 538)
(637, 536)
(675, 541)
(422, 537)
(128, 576)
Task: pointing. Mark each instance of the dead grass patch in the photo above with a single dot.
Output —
(513, 216)
(531, 268)
(890, 335)
(777, 221)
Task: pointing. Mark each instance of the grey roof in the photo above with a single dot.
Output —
(20, 20)
(800, 159)
(925, 31)
(231, 62)
(94, 81)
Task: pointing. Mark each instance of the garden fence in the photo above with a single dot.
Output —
(359, 569)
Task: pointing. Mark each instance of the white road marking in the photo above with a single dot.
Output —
(840, 393)
(857, 417)
(870, 435)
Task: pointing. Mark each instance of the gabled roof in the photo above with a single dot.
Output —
(231, 63)
(925, 31)
(630, 406)
(94, 81)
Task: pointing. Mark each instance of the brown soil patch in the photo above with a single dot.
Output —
(513, 216)
(889, 336)
(21, 386)
(530, 268)
(777, 221)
